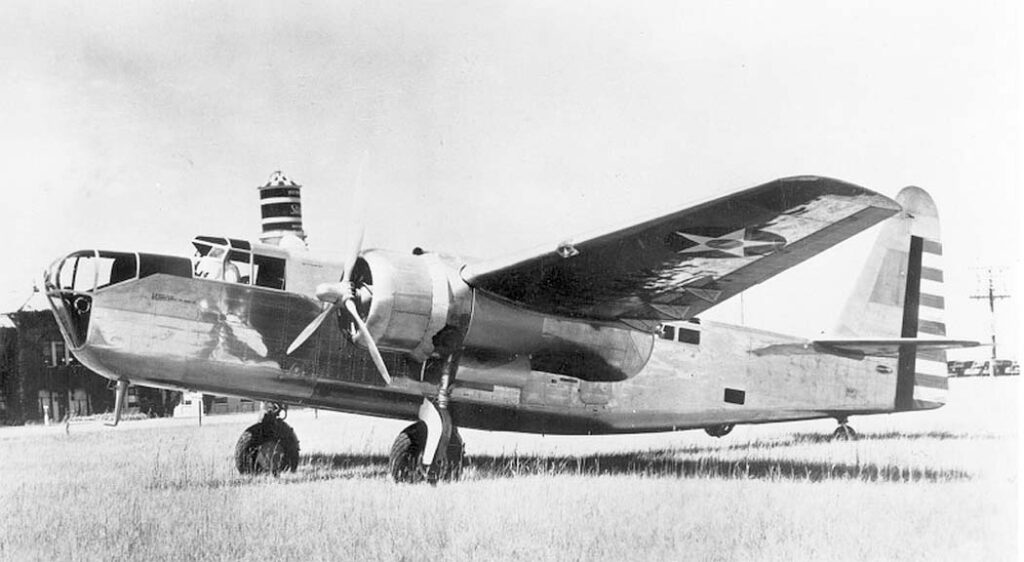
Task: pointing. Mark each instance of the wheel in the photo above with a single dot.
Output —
(407, 454)
(719, 430)
(406, 459)
(268, 446)
(844, 433)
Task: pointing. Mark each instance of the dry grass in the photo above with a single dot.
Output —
(936, 485)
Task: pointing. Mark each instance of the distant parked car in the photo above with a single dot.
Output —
(1004, 367)
(975, 369)
(956, 368)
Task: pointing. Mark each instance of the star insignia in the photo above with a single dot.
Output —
(734, 243)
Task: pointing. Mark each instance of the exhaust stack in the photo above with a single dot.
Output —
(281, 211)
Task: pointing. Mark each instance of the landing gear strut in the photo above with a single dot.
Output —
(844, 432)
(268, 446)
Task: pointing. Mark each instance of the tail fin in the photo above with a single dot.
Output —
(899, 294)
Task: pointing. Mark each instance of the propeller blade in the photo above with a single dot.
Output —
(353, 255)
(308, 330)
(368, 340)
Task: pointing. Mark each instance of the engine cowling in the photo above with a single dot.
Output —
(409, 302)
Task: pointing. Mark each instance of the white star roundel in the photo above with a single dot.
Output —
(734, 243)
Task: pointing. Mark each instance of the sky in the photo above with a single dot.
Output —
(490, 127)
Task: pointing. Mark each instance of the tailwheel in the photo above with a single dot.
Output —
(269, 446)
(406, 460)
(720, 430)
(844, 432)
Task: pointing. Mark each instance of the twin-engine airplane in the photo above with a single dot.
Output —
(596, 335)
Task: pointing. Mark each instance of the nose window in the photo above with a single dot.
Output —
(78, 273)
(88, 270)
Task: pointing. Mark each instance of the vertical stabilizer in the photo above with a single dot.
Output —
(899, 294)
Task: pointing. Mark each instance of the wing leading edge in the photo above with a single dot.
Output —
(678, 265)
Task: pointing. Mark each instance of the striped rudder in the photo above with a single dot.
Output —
(931, 380)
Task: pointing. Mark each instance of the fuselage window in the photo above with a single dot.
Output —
(668, 332)
(686, 335)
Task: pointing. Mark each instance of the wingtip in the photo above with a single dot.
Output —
(877, 200)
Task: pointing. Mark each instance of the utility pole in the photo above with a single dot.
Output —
(991, 296)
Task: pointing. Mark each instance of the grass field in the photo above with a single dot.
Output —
(938, 485)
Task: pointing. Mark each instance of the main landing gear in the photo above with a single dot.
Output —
(407, 465)
(844, 432)
(430, 449)
(269, 446)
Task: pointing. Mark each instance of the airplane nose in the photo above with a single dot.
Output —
(71, 304)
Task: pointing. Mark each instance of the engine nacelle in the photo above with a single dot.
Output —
(587, 350)
(408, 299)
(410, 303)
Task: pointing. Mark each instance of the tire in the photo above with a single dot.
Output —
(719, 430)
(844, 433)
(245, 452)
(407, 454)
(268, 446)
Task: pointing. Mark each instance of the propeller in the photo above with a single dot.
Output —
(343, 294)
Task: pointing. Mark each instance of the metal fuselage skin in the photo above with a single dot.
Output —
(228, 338)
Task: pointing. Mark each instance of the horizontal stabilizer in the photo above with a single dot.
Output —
(891, 347)
(862, 347)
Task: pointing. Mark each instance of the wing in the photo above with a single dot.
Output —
(678, 265)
